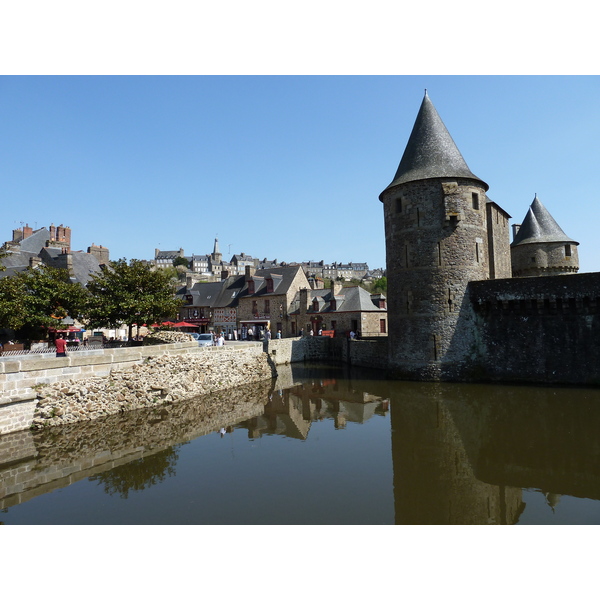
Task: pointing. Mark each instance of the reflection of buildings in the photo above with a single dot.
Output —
(291, 411)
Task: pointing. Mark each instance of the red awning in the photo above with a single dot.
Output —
(184, 324)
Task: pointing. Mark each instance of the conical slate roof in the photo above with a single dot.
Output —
(539, 226)
(431, 151)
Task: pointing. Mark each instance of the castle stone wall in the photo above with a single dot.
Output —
(538, 329)
(498, 242)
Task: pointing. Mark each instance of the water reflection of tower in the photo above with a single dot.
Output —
(434, 480)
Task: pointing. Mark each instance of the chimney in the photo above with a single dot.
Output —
(250, 271)
(303, 300)
(336, 287)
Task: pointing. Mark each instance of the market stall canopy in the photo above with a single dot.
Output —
(184, 324)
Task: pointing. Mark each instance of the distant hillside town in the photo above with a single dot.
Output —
(212, 267)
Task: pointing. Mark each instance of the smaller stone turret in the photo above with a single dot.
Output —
(540, 247)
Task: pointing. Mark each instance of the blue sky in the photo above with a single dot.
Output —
(286, 167)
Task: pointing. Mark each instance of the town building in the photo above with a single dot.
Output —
(266, 300)
(340, 310)
(163, 259)
(51, 246)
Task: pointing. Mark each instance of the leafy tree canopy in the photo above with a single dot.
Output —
(379, 285)
(130, 293)
(39, 298)
(180, 261)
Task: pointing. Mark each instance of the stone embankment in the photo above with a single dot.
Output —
(162, 379)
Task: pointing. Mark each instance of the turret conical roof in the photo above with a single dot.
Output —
(539, 226)
(431, 151)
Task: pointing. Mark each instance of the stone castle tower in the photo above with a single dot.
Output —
(540, 247)
(436, 216)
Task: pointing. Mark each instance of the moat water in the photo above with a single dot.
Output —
(320, 445)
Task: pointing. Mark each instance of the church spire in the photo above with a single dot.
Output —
(431, 151)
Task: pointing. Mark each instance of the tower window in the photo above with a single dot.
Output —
(398, 205)
(567, 250)
(476, 251)
(475, 200)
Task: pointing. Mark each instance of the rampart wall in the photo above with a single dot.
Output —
(364, 353)
(538, 329)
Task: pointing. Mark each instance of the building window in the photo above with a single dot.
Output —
(382, 326)
(333, 324)
(267, 307)
(475, 200)
(254, 307)
(567, 250)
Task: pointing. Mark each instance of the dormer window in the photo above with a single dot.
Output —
(315, 305)
(269, 285)
(188, 298)
(382, 303)
(333, 304)
(251, 286)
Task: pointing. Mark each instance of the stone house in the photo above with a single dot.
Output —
(340, 309)
(200, 299)
(267, 299)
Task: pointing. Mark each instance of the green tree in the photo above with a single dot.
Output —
(379, 286)
(130, 293)
(35, 299)
(180, 261)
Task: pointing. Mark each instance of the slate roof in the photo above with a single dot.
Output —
(539, 227)
(18, 259)
(205, 294)
(431, 151)
(357, 299)
(36, 241)
(84, 266)
(349, 299)
(282, 280)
